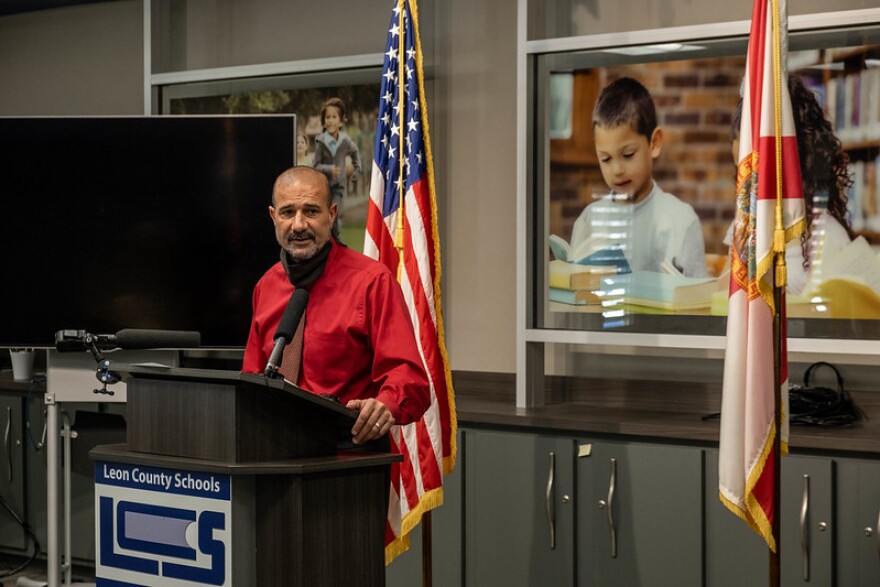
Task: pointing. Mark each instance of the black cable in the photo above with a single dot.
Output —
(30, 534)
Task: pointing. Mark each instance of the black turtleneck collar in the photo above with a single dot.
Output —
(305, 273)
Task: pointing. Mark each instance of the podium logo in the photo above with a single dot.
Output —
(159, 526)
(159, 535)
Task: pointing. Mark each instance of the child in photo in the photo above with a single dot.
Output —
(654, 229)
(333, 146)
(303, 155)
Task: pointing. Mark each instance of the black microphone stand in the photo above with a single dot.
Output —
(90, 341)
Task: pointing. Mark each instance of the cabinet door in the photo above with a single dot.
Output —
(807, 520)
(11, 471)
(735, 555)
(858, 525)
(640, 510)
(519, 520)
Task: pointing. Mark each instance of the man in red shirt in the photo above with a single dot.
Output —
(358, 343)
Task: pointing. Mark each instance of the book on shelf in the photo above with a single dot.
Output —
(572, 276)
(596, 249)
(575, 297)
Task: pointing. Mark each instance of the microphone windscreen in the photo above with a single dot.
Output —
(141, 338)
(292, 314)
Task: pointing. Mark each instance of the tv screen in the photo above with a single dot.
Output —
(141, 222)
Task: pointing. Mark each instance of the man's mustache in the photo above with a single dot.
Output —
(300, 235)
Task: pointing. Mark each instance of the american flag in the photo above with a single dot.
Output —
(767, 168)
(405, 238)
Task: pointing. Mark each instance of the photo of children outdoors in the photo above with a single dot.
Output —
(336, 129)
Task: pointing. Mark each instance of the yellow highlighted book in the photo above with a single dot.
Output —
(575, 297)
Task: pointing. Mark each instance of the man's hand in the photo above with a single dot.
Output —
(373, 421)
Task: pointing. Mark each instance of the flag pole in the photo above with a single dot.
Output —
(427, 559)
(427, 562)
(778, 295)
(401, 186)
(779, 283)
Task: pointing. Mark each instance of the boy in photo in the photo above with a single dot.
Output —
(653, 229)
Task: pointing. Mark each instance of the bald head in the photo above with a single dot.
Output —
(304, 174)
(302, 212)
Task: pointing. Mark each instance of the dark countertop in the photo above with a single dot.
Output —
(622, 409)
(640, 410)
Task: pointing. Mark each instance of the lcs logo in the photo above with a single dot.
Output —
(160, 534)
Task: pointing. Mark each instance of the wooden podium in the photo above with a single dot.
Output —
(303, 506)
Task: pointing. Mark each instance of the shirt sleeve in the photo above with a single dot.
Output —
(397, 366)
(355, 158)
(691, 259)
(254, 357)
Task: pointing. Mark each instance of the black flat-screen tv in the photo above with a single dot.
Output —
(136, 222)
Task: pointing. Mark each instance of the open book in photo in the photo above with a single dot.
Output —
(848, 284)
(857, 262)
(594, 250)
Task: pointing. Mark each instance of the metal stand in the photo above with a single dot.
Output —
(70, 377)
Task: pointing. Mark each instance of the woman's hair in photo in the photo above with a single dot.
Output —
(823, 161)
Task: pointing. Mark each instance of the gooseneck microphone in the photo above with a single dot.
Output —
(290, 320)
(127, 339)
(138, 338)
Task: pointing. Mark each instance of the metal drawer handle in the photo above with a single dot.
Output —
(548, 501)
(7, 438)
(805, 527)
(612, 485)
(878, 533)
(43, 435)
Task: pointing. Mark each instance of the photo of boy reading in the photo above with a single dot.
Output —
(652, 229)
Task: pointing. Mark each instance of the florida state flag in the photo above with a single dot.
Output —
(768, 178)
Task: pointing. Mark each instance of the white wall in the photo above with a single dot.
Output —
(476, 115)
(85, 60)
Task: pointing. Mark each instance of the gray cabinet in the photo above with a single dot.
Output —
(858, 526)
(639, 514)
(807, 521)
(519, 515)
(542, 510)
(12, 482)
(735, 555)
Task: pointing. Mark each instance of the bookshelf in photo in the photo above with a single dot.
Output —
(847, 84)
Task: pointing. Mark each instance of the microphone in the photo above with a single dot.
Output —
(290, 320)
(142, 338)
(127, 338)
